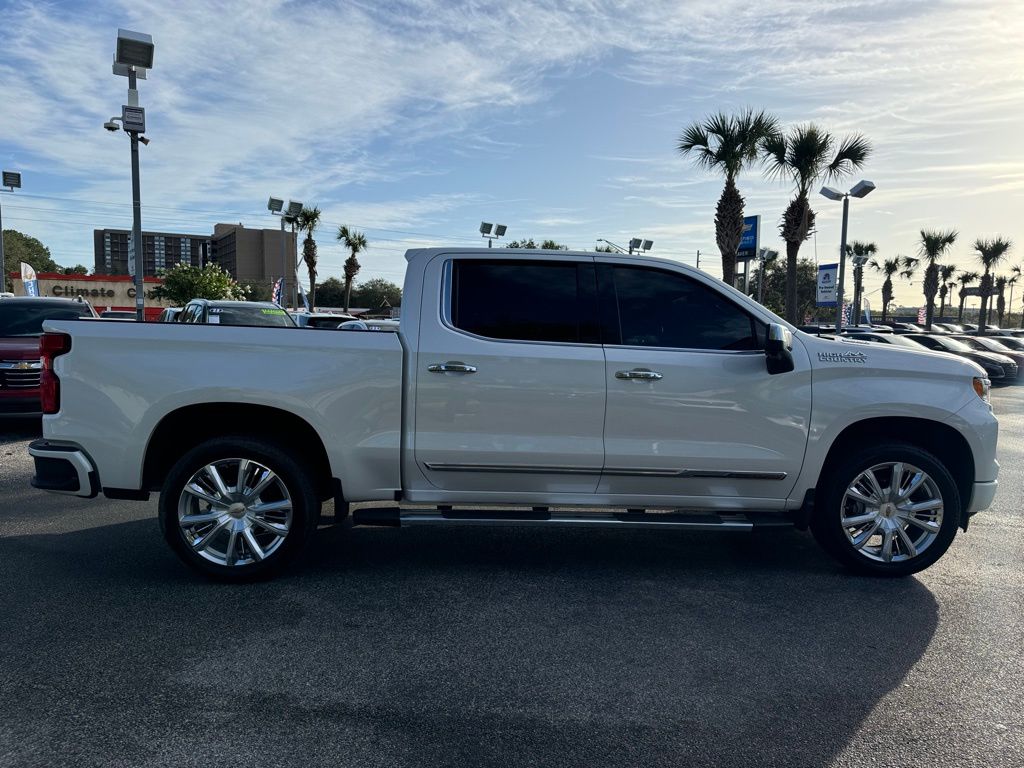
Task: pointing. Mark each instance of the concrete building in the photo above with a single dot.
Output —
(162, 250)
(253, 256)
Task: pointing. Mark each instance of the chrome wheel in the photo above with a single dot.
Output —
(892, 512)
(234, 512)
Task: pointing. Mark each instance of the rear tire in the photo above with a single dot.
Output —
(877, 529)
(238, 508)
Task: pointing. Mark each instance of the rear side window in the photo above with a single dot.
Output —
(525, 300)
(26, 319)
(665, 309)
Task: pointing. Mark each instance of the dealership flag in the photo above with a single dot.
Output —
(305, 300)
(29, 280)
(922, 315)
(275, 294)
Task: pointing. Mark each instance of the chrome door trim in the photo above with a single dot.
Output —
(642, 472)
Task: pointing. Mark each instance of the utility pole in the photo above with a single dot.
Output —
(698, 258)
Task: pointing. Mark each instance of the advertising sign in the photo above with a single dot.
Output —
(751, 238)
(827, 275)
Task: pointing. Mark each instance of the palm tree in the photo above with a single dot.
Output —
(804, 156)
(1015, 270)
(728, 144)
(966, 278)
(1001, 300)
(355, 241)
(933, 245)
(307, 222)
(889, 267)
(990, 252)
(861, 252)
(946, 272)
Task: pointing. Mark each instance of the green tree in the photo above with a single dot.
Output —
(331, 292)
(946, 283)
(804, 156)
(19, 247)
(355, 241)
(78, 269)
(184, 282)
(775, 281)
(604, 249)
(991, 251)
(888, 268)
(307, 222)
(377, 293)
(727, 144)
(966, 278)
(934, 245)
(545, 245)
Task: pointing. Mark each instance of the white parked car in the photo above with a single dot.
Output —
(524, 379)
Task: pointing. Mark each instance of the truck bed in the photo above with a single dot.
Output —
(122, 379)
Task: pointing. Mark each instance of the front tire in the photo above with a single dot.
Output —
(889, 510)
(237, 508)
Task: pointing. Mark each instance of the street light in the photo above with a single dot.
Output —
(860, 189)
(12, 180)
(764, 255)
(290, 214)
(133, 56)
(492, 231)
(638, 244)
(618, 248)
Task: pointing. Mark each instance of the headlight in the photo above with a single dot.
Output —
(982, 387)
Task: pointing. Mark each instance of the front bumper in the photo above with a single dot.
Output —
(982, 496)
(63, 468)
(11, 403)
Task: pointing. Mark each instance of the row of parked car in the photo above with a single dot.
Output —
(265, 313)
(1000, 351)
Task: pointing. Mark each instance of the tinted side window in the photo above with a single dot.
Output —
(666, 309)
(525, 300)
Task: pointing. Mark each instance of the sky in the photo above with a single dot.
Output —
(415, 121)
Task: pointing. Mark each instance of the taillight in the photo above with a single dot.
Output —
(51, 345)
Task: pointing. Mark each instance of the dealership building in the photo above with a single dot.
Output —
(102, 291)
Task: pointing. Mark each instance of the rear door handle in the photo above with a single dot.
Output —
(645, 374)
(452, 366)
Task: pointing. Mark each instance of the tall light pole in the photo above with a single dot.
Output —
(288, 215)
(12, 180)
(133, 57)
(492, 231)
(764, 255)
(860, 189)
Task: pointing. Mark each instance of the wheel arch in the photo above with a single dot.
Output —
(184, 428)
(939, 439)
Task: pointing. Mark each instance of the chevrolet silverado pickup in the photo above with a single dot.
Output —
(522, 388)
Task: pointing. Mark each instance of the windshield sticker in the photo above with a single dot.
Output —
(272, 311)
(842, 357)
(214, 319)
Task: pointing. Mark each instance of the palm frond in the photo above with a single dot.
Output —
(853, 152)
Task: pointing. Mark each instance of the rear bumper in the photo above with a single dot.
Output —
(63, 468)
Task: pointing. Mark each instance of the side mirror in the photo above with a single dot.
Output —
(778, 349)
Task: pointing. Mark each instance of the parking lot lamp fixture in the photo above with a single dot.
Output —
(276, 206)
(12, 180)
(618, 248)
(133, 57)
(861, 189)
(492, 231)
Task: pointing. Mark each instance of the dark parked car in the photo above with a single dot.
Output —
(21, 326)
(997, 344)
(999, 368)
(169, 315)
(206, 312)
(887, 337)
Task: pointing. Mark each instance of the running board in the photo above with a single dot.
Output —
(694, 521)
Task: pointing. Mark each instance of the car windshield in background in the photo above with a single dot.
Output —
(984, 344)
(250, 316)
(24, 319)
(951, 344)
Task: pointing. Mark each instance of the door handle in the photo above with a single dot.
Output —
(639, 373)
(452, 366)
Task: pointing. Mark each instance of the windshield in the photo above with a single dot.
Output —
(901, 341)
(951, 344)
(24, 319)
(250, 316)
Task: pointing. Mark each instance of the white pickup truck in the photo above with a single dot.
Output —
(522, 384)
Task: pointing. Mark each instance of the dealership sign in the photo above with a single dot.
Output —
(751, 238)
(99, 290)
(827, 285)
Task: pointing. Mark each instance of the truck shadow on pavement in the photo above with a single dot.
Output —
(456, 647)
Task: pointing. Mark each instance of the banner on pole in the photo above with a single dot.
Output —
(827, 274)
(29, 280)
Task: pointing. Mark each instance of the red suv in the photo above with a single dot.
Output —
(21, 325)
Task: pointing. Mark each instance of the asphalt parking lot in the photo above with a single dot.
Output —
(475, 646)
